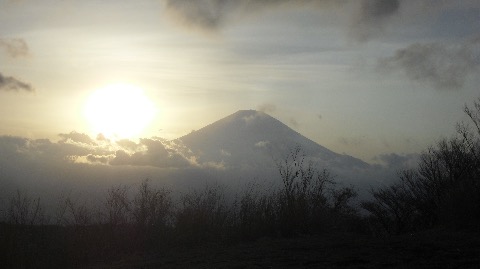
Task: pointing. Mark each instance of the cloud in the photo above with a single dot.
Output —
(153, 153)
(127, 144)
(374, 9)
(251, 118)
(397, 161)
(101, 137)
(15, 47)
(215, 165)
(212, 15)
(40, 150)
(352, 141)
(11, 146)
(76, 138)
(225, 153)
(442, 66)
(370, 17)
(294, 123)
(362, 19)
(262, 144)
(98, 158)
(267, 108)
(13, 84)
(80, 148)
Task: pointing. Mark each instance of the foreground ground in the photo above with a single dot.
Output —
(433, 249)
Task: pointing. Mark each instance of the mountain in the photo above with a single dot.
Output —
(253, 139)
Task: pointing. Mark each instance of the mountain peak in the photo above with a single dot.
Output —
(247, 114)
(247, 137)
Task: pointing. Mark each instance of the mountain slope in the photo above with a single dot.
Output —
(250, 139)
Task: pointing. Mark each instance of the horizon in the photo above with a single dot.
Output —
(99, 141)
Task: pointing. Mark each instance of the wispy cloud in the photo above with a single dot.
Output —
(262, 144)
(444, 67)
(352, 141)
(214, 14)
(365, 19)
(16, 47)
(8, 83)
(267, 108)
(294, 123)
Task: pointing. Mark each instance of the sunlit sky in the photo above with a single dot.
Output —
(364, 77)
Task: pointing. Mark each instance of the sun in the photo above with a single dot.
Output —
(119, 111)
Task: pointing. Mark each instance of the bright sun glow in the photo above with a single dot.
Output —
(119, 110)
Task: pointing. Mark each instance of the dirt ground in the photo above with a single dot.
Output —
(433, 249)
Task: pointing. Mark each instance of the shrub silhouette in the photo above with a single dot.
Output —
(152, 207)
(203, 215)
(444, 189)
(24, 210)
(310, 200)
(118, 206)
(393, 207)
(255, 213)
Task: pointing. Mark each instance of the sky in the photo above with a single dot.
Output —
(362, 77)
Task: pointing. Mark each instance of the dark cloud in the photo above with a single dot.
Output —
(13, 84)
(155, 148)
(80, 148)
(155, 154)
(372, 9)
(214, 14)
(365, 19)
(444, 67)
(15, 47)
(11, 145)
(40, 150)
(121, 158)
(370, 17)
(202, 14)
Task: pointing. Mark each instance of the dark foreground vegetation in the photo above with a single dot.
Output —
(443, 191)
(429, 218)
